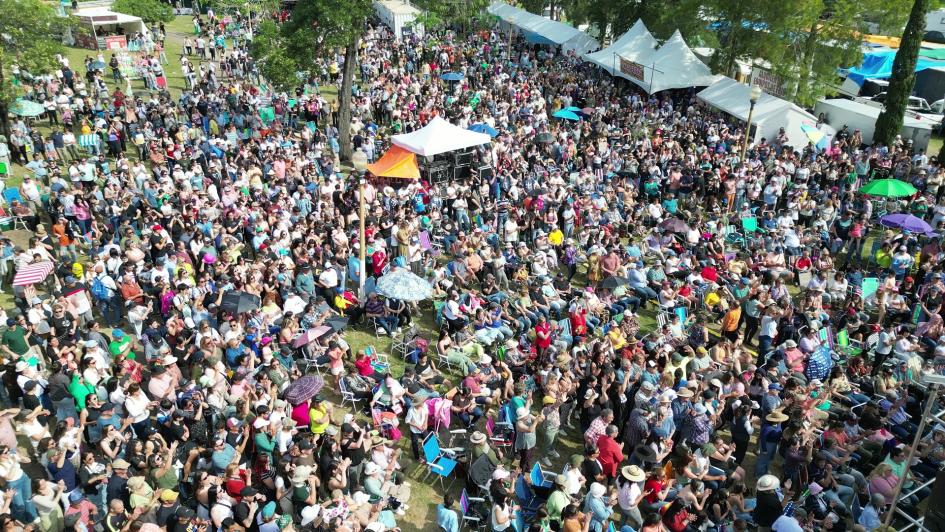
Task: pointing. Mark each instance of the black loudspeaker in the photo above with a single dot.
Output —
(462, 158)
(461, 173)
(935, 515)
(486, 172)
(439, 172)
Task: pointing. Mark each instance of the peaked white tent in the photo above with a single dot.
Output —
(635, 45)
(439, 136)
(771, 113)
(552, 31)
(674, 66)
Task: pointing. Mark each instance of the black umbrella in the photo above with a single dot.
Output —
(239, 302)
(545, 138)
(674, 225)
(611, 283)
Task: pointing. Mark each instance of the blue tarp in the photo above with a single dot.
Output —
(878, 65)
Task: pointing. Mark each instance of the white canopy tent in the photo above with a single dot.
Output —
(673, 66)
(439, 136)
(102, 17)
(559, 33)
(634, 45)
(397, 15)
(771, 113)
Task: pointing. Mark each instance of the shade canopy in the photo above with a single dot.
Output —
(543, 30)
(888, 188)
(634, 45)
(674, 66)
(770, 115)
(397, 162)
(439, 136)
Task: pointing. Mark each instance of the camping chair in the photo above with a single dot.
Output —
(750, 227)
(427, 245)
(379, 361)
(437, 462)
(347, 396)
(527, 499)
(472, 514)
(310, 354)
(11, 221)
(662, 319)
(540, 478)
(500, 435)
(733, 237)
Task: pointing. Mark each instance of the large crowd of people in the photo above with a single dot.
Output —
(632, 326)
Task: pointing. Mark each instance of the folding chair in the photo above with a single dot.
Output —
(347, 396)
(466, 506)
(379, 361)
(437, 462)
(404, 343)
(662, 319)
(541, 478)
(527, 499)
(426, 244)
(499, 435)
(310, 356)
(14, 222)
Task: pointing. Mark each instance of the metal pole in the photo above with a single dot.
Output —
(751, 111)
(362, 252)
(929, 402)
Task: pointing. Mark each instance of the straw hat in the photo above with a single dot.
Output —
(633, 473)
(776, 416)
(685, 392)
(767, 483)
(477, 438)
(300, 475)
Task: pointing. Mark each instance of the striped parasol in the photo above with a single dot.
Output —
(33, 273)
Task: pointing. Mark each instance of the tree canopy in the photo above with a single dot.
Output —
(150, 11)
(30, 36)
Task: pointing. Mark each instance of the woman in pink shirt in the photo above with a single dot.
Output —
(300, 414)
(884, 482)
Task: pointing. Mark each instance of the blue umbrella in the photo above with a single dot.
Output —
(452, 76)
(572, 108)
(565, 114)
(907, 222)
(403, 285)
(27, 108)
(484, 128)
(96, 65)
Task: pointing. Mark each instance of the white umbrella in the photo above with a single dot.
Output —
(404, 285)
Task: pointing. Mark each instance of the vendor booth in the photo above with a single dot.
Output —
(634, 45)
(108, 30)
(543, 30)
(770, 114)
(399, 16)
(674, 66)
(439, 136)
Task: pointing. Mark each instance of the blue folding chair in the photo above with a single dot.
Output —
(437, 461)
(469, 515)
(540, 478)
(12, 194)
(527, 500)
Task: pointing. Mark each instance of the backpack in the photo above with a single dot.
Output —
(98, 289)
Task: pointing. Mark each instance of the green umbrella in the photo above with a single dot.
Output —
(888, 188)
(27, 108)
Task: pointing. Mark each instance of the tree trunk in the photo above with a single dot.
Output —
(4, 111)
(890, 119)
(810, 52)
(344, 107)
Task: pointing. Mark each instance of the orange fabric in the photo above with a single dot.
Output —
(397, 162)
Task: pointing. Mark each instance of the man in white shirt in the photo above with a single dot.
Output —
(791, 523)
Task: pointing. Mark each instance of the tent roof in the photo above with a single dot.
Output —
(634, 45)
(103, 13)
(439, 136)
(674, 66)
(733, 97)
(397, 162)
(569, 37)
(398, 7)
(873, 112)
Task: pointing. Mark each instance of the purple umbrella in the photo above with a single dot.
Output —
(303, 389)
(907, 222)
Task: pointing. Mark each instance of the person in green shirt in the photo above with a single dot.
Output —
(80, 390)
(121, 344)
(162, 469)
(263, 437)
(15, 339)
(558, 499)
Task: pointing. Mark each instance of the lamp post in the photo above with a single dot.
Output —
(360, 162)
(753, 97)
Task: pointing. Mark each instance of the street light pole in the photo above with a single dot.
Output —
(753, 97)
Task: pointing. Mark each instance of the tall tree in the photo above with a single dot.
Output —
(30, 36)
(903, 75)
(150, 11)
(315, 28)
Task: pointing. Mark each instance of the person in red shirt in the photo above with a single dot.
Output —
(542, 334)
(578, 322)
(611, 453)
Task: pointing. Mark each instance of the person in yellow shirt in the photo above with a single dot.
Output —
(348, 305)
(884, 256)
(616, 337)
(319, 415)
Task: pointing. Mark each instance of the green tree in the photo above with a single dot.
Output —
(903, 75)
(316, 27)
(458, 13)
(150, 11)
(30, 36)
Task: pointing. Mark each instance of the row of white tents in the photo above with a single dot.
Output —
(638, 57)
